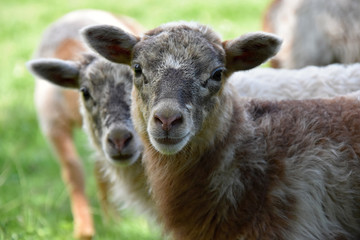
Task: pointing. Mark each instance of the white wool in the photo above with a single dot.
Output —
(305, 83)
(316, 32)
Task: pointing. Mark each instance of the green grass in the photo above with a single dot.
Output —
(33, 200)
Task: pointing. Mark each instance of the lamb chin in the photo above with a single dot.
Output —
(169, 146)
(124, 162)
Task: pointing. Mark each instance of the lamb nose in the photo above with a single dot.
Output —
(119, 141)
(167, 122)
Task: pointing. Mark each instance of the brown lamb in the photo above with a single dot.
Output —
(223, 167)
(58, 108)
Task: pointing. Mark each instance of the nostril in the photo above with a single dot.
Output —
(159, 119)
(176, 120)
(168, 122)
(128, 139)
(111, 142)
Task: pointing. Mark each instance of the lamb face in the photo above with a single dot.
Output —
(105, 102)
(178, 73)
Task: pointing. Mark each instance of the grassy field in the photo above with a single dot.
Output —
(33, 200)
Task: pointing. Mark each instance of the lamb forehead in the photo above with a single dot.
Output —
(179, 41)
(99, 71)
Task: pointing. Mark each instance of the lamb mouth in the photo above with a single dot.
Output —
(121, 158)
(168, 141)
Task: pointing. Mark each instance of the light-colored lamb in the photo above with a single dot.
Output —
(305, 83)
(58, 109)
(315, 32)
(105, 107)
(223, 167)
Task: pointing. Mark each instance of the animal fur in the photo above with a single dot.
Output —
(308, 82)
(315, 32)
(58, 108)
(223, 167)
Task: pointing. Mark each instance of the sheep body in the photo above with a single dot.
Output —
(315, 32)
(306, 83)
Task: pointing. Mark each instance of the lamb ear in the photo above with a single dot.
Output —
(111, 42)
(250, 50)
(59, 72)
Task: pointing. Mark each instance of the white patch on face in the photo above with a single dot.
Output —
(171, 62)
(172, 141)
(189, 107)
(117, 72)
(168, 149)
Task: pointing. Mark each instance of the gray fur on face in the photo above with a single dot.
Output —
(108, 85)
(177, 63)
(106, 88)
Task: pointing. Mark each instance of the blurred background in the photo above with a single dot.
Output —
(34, 202)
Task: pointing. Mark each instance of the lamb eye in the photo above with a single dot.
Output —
(85, 92)
(138, 70)
(217, 74)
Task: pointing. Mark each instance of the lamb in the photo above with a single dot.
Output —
(223, 167)
(58, 109)
(105, 106)
(305, 83)
(315, 32)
